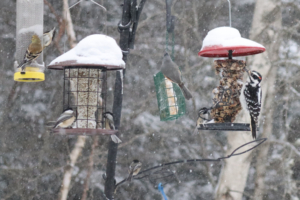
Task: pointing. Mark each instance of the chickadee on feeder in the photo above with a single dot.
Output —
(66, 119)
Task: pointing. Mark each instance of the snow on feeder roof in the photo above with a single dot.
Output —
(93, 51)
(220, 40)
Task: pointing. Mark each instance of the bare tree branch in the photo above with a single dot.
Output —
(90, 168)
(69, 24)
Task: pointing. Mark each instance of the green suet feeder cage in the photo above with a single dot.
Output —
(171, 102)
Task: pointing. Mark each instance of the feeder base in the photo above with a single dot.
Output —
(83, 131)
(29, 76)
(225, 126)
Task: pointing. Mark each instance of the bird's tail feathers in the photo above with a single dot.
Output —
(115, 139)
(50, 123)
(253, 128)
(22, 65)
(187, 94)
(196, 130)
(129, 177)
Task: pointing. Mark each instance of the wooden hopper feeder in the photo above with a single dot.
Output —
(227, 42)
(85, 82)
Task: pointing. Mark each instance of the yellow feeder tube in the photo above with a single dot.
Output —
(32, 75)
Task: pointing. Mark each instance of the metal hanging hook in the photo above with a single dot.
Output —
(91, 1)
(229, 12)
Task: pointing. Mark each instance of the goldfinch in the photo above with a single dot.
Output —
(33, 51)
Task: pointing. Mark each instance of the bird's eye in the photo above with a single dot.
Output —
(254, 76)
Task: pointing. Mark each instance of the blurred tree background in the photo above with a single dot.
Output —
(33, 161)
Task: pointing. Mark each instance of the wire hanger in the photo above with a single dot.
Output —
(91, 1)
(229, 4)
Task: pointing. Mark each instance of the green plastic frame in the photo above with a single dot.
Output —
(163, 99)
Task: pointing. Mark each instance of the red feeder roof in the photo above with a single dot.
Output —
(220, 51)
(220, 40)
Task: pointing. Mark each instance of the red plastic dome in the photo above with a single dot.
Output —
(220, 40)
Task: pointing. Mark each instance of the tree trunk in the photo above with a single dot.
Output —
(234, 174)
(265, 30)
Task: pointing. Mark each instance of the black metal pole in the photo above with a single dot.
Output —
(130, 16)
(230, 54)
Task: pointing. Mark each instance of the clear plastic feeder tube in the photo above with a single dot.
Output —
(30, 18)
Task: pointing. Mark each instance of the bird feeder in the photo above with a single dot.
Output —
(227, 42)
(170, 100)
(30, 19)
(85, 82)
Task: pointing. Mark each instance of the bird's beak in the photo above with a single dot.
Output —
(248, 72)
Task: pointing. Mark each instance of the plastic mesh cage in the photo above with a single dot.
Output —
(171, 102)
(30, 18)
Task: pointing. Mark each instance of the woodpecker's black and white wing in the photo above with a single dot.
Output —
(253, 101)
(250, 99)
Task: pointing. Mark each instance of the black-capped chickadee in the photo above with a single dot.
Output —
(109, 124)
(48, 37)
(171, 71)
(203, 116)
(134, 169)
(66, 119)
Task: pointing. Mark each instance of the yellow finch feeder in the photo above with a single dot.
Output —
(30, 18)
(85, 83)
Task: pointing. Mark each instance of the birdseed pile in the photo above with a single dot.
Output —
(226, 103)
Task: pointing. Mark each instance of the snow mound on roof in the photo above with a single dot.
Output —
(95, 49)
(227, 37)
